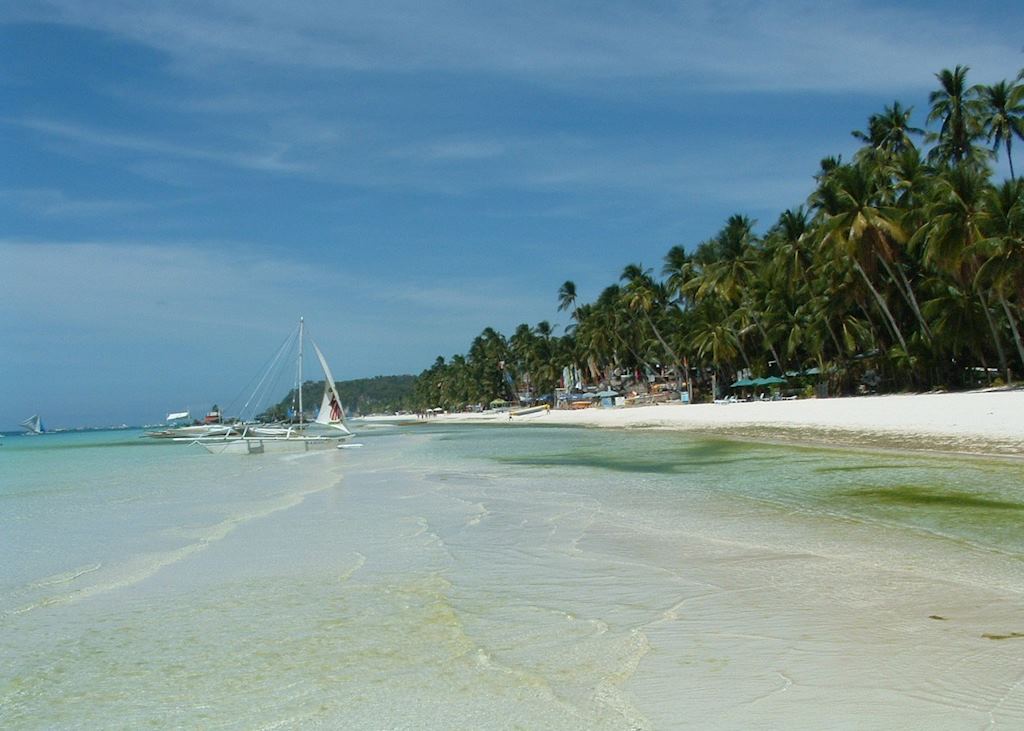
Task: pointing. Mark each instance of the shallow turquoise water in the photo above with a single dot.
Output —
(467, 577)
(970, 499)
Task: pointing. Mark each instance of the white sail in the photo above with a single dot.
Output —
(33, 424)
(331, 412)
(177, 415)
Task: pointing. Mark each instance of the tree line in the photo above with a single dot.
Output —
(377, 395)
(905, 262)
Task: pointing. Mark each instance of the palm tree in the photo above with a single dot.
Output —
(679, 268)
(955, 106)
(949, 237)
(856, 227)
(890, 132)
(1002, 224)
(787, 248)
(599, 336)
(1002, 115)
(644, 295)
(566, 295)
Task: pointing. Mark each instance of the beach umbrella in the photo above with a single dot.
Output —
(606, 394)
(743, 382)
(770, 381)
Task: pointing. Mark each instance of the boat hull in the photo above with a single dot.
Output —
(263, 445)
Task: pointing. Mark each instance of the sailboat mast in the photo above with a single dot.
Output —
(299, 386)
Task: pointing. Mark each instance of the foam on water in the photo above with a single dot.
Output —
(509, 578)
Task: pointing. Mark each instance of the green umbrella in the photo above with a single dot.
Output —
(743, 382)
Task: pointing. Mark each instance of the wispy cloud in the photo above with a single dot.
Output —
(271, 160)
(768, 46)
(192, 290)
(454, 150)
(52, 202)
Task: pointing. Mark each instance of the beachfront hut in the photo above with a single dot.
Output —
(607, 398)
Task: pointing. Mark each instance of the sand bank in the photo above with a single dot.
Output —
(989, 422)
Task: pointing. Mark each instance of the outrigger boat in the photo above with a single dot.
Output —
(329, 429)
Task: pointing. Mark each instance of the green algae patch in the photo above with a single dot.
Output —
(913, 496)
(1010, 636)
(678, 459)
(863, 468)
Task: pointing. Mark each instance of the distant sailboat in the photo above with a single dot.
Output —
(33, 425)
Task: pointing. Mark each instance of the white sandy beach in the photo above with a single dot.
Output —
(977, 421)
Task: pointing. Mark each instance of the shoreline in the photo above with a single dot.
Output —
(988, 423)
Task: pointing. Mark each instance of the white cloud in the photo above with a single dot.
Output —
(269, 160)
(454, 150)
(207, 290)
(767, 46)
(52, 202)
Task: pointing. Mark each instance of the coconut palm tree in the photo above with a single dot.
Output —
(567, 296)
(1002, 248)
(1002, 115)
(948, 239)
(788, 249)
(890, 132)
(644, 295)
(854, 226)
(955, 105)
(679, 268)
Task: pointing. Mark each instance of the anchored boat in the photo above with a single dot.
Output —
(327, 430)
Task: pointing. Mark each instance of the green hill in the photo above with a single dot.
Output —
(377, 395)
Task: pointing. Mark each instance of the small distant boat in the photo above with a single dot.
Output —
(33, 426)
(196, 430)
(210, 427)
(530, 410)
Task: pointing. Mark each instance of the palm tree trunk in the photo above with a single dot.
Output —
(743, 353)
(908, 294)
(771, 346)
(882, 305)
(668, 349)
(869, 318)
(641, 361)
(1003, 364)
(835, 340)
(1013, 327)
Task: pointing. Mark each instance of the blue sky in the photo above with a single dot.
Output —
(180, 181)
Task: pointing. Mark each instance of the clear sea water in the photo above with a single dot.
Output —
(468, 577)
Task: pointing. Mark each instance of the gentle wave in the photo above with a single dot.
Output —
(156, 562)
